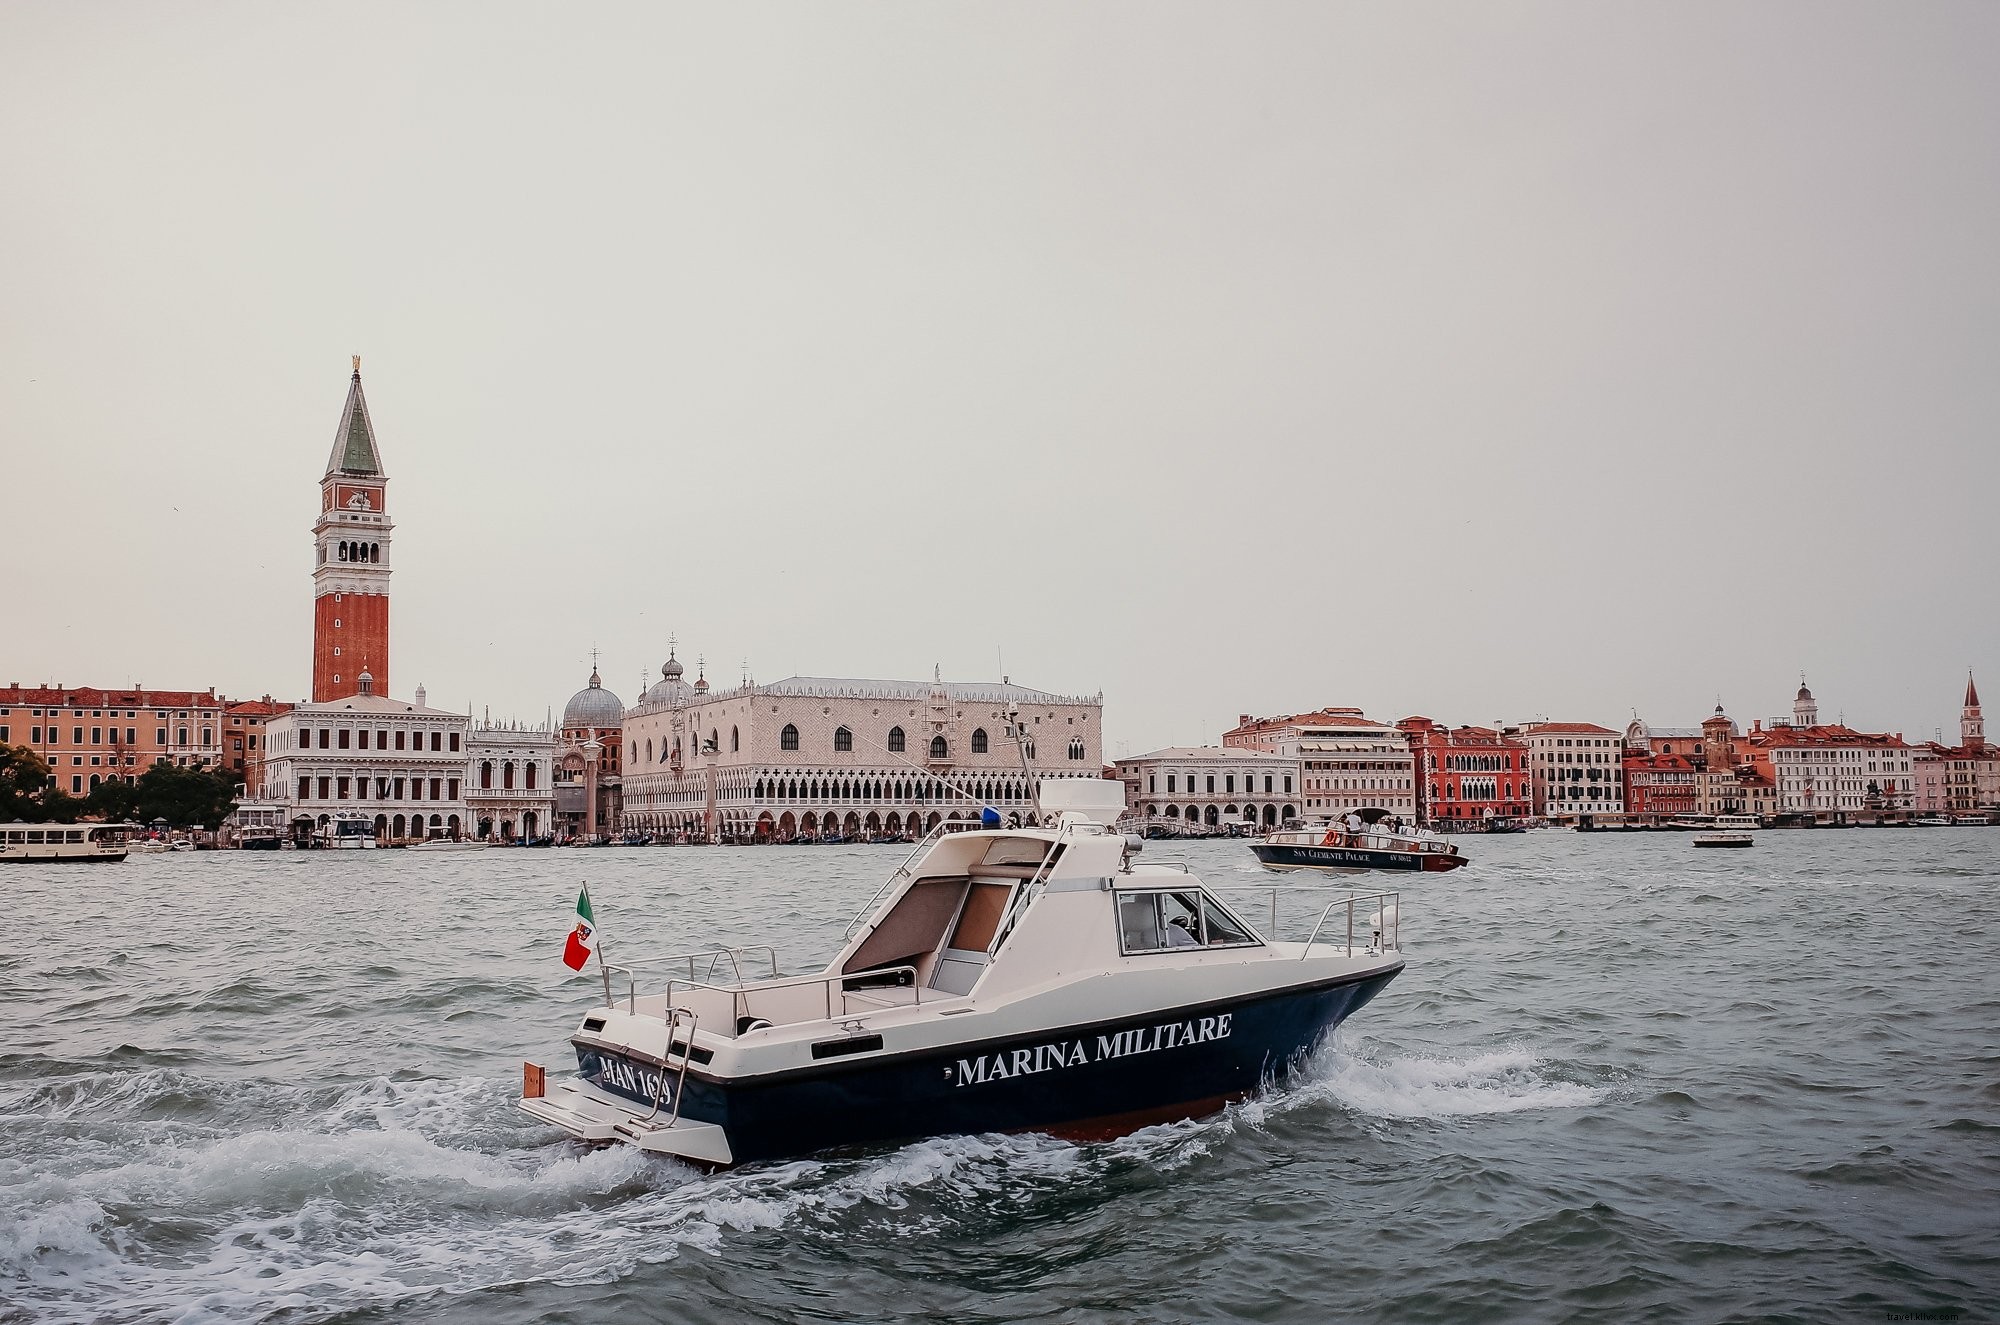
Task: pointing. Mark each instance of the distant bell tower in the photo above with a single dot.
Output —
(1971, 726)
(351, 566)
(1805, 709)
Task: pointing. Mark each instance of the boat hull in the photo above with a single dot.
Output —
(1085, 1080)
(1351, 860)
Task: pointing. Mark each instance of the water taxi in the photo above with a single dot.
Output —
(1731, 839)
(64, 843)
(1364, 842)
(1002, 979)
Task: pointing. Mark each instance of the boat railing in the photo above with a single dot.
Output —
(835, 983)
(1384, 925)
(714, 957)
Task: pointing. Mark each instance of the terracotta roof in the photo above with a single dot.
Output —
(1210, 752)
(1971, 692)
(1826, 734)
(90, 697)
(1568, 729)
(255, 708)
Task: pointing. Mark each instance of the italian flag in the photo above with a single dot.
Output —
(582, 939)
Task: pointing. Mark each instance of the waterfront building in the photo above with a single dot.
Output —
(510, 781)
(589, 790)
(244, 736)
(89, 735)
(1829, 772)
(1927, 779)
(1658, 787)
(1210, 786)
(1578, 769)
(399, 763)
(1729, 778)
(1968, 774)
(1346, 760)
(1467, 775)
(351, 567)
(820, 757)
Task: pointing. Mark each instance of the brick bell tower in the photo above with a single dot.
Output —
(351, 570)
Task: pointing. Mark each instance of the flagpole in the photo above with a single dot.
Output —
(598, 948)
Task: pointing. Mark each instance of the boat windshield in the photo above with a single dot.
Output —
(1168, 919)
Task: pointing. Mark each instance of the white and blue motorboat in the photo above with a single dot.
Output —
(1003, 979)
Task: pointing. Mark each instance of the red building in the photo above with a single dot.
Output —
(351, 575)
(1660, 786)
(1467, 775)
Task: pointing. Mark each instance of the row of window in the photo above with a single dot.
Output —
(1476, 789)
(1476, 763)
(98, 736)
(101, 713)
(357, 738)
(842, 789)
(843, 742)
(386, 789)
(1228, 783)
(1196, 813)
(506, 775)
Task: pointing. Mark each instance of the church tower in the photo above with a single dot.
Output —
(1971, 726)
(1805, 709)
(351, 570)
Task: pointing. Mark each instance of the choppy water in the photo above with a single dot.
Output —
(1620, 1080)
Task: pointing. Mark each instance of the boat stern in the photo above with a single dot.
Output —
(597, 1116)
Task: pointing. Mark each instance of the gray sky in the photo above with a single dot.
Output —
(1482, 360)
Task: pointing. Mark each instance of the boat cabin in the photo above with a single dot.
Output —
(984, 913)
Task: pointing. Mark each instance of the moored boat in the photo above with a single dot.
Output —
(1001, 980)
(348, 831)
(1366, 841)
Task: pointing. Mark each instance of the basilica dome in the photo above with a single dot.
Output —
(594, 706)
(670, 688)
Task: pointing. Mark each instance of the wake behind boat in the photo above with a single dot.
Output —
(1365, 840)
(1003, 980)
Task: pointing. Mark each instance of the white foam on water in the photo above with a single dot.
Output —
(399, 1190)
(1498, 1081)
(402, 1190)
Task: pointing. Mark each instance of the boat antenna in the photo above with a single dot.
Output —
(1021, 746)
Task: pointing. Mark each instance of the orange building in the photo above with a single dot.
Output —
(351, 574)
(243, 737)
(88, 735)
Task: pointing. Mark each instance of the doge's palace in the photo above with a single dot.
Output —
(827, 758)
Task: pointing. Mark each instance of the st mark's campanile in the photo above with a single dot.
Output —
(351, 570)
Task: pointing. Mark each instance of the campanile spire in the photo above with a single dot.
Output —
(351, 558)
